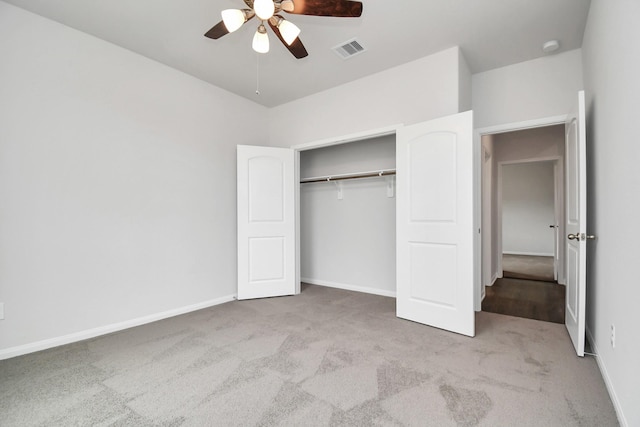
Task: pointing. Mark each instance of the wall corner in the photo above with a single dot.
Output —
(464, 83)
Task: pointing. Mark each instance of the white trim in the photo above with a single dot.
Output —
(527, 124)
(346, 287)
(527, 253)
(556, 161)
(607, 380)
(296, 203)
(498, 215)
(477, 140)
(478, 165)
(103, 330)
(494, 278)
(531, 160)
(557, 218)
(358, 136)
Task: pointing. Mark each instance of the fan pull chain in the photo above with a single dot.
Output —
(258, 74)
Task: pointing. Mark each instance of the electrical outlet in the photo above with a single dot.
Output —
(1, 311)
(613, 336)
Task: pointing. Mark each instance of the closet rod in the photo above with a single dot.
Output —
(329, 178)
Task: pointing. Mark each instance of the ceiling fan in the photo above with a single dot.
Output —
(286, 31)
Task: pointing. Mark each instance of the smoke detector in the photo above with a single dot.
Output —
(551, 46)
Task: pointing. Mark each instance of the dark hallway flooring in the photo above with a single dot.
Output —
(528, 267)
(530, 299)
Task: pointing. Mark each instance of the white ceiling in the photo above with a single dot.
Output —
(491, 33)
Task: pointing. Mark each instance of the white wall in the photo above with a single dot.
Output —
(528, 208)
(540, 88)
(424, 89)
(349, 243)
(529, 144)
(612, 68)
(464, 84)
(117, 181)
(358, 156)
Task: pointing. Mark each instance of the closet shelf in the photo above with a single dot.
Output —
(341, 177)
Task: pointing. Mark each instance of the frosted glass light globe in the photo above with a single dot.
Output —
(233, 19)
(261, 40)
(289, 31)
(264, 9)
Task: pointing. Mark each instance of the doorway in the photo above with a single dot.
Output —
(529, 216)
(523, 217)
(434, 223)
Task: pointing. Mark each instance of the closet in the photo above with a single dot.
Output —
(352, 223)
(348, 215)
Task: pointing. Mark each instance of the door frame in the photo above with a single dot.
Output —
(477, 142)
(558, 185)
(345, 139)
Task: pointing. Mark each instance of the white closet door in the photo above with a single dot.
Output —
(266, 222)
(435, 280)
(576, 224)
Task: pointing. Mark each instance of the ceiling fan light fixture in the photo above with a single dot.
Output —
(233, 19)
(289, 31)
(261, 40)
(264, 8)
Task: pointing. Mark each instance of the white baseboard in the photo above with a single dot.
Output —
(346, 287)
(493, 279)
(103, 330)
(526, 253)
(607, 381)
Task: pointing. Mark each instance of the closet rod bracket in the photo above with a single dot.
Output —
(391, 185)
(339, 188)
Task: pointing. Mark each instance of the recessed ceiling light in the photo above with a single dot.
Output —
(550, 46)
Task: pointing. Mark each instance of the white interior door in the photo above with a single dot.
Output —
(266, 222)
(576, 224)
(435, 232)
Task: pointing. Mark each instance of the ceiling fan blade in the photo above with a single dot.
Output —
(220, 29)
(336, 8)
(217, 31)
(296, 48)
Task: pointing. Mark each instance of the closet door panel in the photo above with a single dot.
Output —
(432, 160)
(434, 221)
(266, 222)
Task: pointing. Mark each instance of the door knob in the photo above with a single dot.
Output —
(552, 226)
(582, 236)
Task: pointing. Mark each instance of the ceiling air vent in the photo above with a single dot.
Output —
(348, 49)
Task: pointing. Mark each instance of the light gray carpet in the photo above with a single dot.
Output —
(325, 357)
(528, 267)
